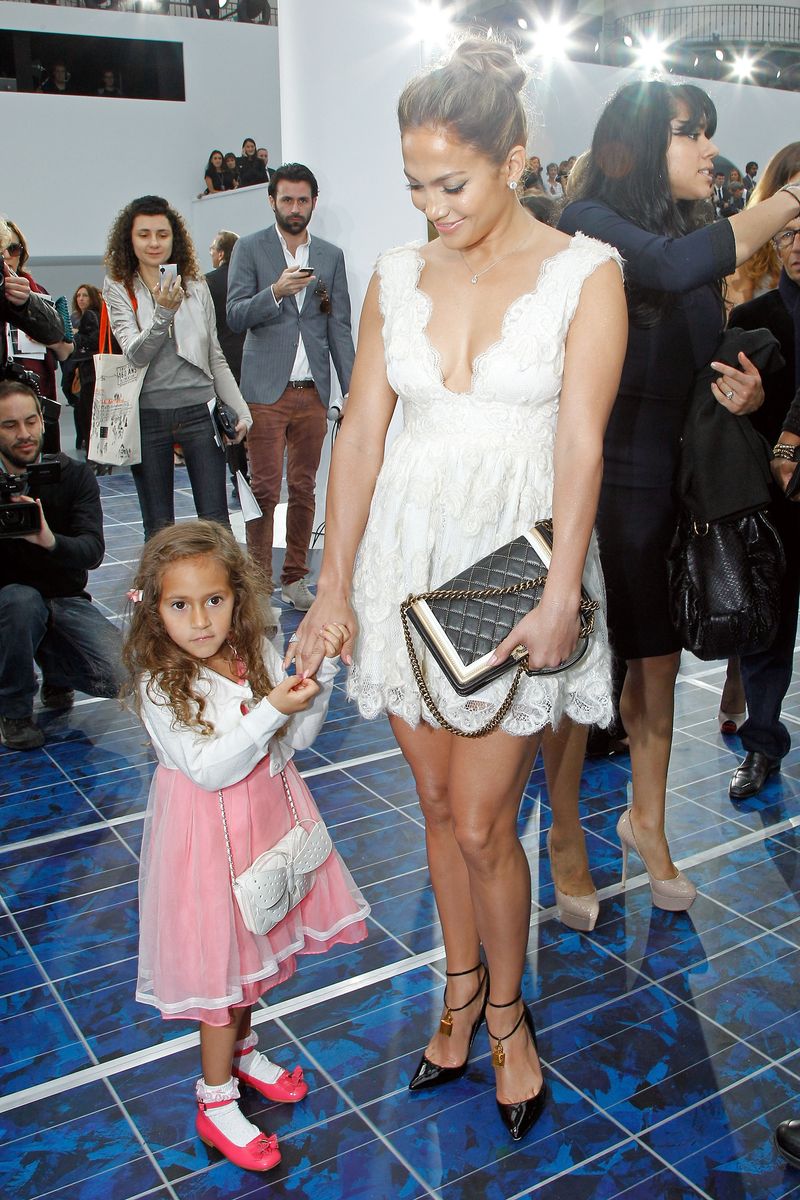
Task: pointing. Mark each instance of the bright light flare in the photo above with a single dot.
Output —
(552, 40)
(743, 66)
(650, 54)
(433, 22)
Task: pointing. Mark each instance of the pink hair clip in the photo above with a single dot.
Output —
(135, 596)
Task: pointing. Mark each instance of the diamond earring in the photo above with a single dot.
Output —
(512, 183)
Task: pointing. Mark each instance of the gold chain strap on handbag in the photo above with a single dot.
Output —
(587, 609)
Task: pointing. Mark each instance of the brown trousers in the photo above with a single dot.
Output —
(295, 425)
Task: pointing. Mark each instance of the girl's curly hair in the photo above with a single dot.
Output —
(121, 261)
(150, 651)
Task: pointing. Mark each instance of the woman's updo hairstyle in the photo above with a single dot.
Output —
(476, 94)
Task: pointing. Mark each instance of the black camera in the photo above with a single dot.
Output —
(18, 519)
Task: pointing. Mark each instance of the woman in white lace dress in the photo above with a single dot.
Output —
(503, 339)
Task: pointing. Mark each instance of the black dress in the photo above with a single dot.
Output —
(637, 513)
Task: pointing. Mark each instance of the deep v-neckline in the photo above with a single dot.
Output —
(479, 358)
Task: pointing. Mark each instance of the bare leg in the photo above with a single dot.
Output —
(486, 783)
(216, 1050)
(563, 751)
(647, 709)
(733, 698)
(427, 752)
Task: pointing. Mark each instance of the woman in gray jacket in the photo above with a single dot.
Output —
(167, 325)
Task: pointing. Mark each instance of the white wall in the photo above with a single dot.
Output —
(81, 158)
(353, 57)
(753, 122)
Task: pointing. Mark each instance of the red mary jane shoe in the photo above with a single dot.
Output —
(259, 1155)
(288, 1088)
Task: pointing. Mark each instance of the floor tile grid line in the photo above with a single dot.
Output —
(709, 687)
(751, 919)
(414, 820)
(72, 1023)
(75, 831)
(681, 1003)
(174, 1045)
(187, 1041)
(634, 1139)
(91, 804)
(359, 1112)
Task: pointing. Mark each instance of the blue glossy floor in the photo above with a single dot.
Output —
(671, 1042)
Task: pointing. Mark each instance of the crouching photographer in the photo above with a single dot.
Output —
(51, 525)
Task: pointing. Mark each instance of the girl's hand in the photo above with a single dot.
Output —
(549, 634)
(738, 391)
(169, 297)
(293, 695)
(334, 636)
(309, 647)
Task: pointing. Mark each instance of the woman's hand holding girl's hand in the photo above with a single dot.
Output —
(169, 297)
(738, 391)
(309, 647)
(549, 633)
(293, 694)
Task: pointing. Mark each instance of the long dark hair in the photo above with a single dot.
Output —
(627, 169)
(210, 168)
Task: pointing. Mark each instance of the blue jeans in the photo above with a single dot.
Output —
(154, 476)
(73, 643)
(768, 674)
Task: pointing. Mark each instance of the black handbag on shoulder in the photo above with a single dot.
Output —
(724, 584)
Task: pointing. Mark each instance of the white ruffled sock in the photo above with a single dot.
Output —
(229, 1119)
(250, 1060)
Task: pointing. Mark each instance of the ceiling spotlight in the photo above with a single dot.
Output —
(696, 61)
(778, 75)
(650, 55)
(523, 24)
(719, 55)
(551, 40)
(743, 66)
(432, 22)
(628, 40)
(596, 47)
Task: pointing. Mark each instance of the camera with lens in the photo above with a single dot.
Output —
(16, 520)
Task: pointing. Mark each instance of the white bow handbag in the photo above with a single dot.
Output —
(282, 876)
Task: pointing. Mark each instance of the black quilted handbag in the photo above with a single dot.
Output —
(724, 583)
(462, 622)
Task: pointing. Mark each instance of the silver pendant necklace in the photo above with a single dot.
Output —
(474, 278)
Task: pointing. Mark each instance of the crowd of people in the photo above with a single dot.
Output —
(225, 172)
(565, 402)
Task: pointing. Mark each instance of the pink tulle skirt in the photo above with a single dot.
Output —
(196, 958)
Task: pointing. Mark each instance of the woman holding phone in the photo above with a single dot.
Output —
(162, 315)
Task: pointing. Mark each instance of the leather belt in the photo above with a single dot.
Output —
(301, 383)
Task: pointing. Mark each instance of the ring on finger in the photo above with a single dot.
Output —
(729, 394)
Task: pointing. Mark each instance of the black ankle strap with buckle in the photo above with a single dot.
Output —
(498, 1053)
(446, 1023)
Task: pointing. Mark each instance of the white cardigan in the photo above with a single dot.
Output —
(239, 742)
(141, 334)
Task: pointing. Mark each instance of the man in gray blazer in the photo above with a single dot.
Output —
(289, 294)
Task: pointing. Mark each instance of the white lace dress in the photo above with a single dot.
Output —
(469, 472)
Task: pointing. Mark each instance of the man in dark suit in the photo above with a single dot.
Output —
(288, 293)
(736, 199)
(231, 343)
(751, 170)
(718, 193)
(767, 674)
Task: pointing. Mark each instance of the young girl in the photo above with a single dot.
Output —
(223, 718)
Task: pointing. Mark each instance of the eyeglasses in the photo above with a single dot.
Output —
(324, 299)
(784, 239)
(14, 248)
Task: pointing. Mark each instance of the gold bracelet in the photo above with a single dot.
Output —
(784, 450)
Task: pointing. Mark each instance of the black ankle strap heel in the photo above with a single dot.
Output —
(430, 1074)
(518, 1118)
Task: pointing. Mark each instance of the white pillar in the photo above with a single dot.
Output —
(343, 64)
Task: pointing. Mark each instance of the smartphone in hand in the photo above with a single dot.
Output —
(168, 273)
